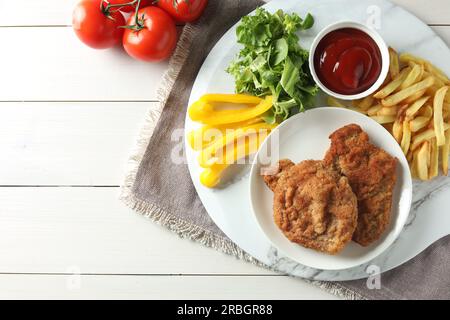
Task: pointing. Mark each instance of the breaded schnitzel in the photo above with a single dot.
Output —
(314, 205)
(371, 172)
(272, 180)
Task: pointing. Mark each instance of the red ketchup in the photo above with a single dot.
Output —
(347, 61)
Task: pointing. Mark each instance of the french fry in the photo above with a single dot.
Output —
(446, 112)
(332, 102)
(415, 97)
(407, 57)
(397, 127)
(355, 103)
(445, 153)
(386, 81)
(401, 114)
(422, 137)
(372, 111)
(415, 107)
(393, 85)
(365, 103)
(438, 82)
(422, 73)
(438, 119)
(413, 165)
(431, 91)
(388, 126)
(394, 64)
(446, 106)
(397, 130)
(422, 161)
(413, 76)
(357, 110)
(418, 123)
(405, 93)
(413, 104)
(426, 111)
(434, 159)
(406, 138)
(383, 119)
(438, 73)
(388, 111)
(425, 135)
(410, 156)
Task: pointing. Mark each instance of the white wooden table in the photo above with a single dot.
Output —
(69, 116)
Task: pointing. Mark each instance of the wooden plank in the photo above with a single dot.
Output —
(68, 143)
(32, 12)
(157, 287)
(58, 230)
(57, 12)
(52, 65)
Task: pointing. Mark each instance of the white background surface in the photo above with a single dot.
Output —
(69, 117)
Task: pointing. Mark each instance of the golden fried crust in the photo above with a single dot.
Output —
(371, 172)
(315, 207)
(272, 180)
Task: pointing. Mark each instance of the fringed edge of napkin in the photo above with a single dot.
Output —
(183, 228)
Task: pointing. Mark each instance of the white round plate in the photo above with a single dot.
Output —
(229, 207)
(303, 137)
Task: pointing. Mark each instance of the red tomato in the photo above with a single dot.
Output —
(144, 3)
(183, 10)
(155, 39)
(94, 27)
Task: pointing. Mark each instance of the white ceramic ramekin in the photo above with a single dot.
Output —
(378, 40)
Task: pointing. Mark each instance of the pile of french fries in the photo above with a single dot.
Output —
(414, 105)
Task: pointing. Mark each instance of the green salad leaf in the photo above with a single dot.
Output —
(272, 62)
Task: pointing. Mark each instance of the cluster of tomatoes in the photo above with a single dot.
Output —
(149, 34)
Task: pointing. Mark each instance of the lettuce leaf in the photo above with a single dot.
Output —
(272, 62)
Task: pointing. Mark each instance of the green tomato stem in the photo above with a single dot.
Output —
(139, 24)
(109, 6)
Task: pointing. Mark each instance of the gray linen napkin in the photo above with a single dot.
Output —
(163, 191)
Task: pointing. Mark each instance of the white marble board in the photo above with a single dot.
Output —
(230, 207)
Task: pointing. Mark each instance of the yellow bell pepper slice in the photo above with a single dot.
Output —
(214, 153)
(205, 112)
(203, 137)
(243, 147)
(211, 176)
(231, 98)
